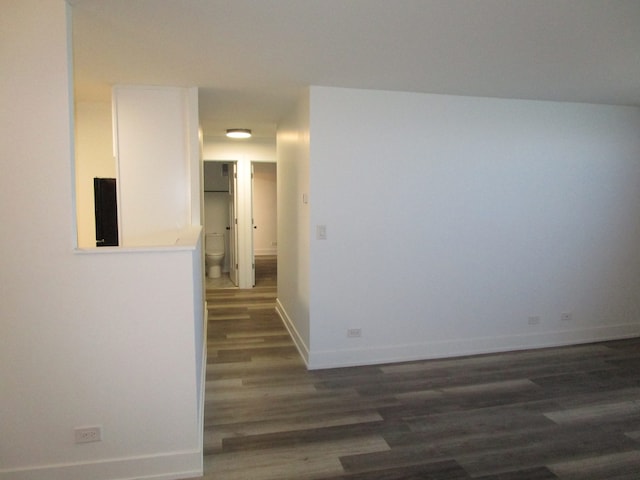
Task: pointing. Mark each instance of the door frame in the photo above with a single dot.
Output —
(233, 224)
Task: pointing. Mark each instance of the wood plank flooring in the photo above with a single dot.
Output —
(562, 413)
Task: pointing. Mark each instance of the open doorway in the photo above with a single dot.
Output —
(219, 223)
(264, 214)
(240, 202)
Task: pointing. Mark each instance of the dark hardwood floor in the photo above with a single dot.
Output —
(266, 270)
(568, 413)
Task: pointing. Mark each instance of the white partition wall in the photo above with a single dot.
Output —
(103, 338)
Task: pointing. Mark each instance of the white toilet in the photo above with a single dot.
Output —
(213, 254)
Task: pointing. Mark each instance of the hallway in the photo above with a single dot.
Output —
(568, 413)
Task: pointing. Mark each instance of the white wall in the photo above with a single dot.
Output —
(293, 224)
(94, 158)
(265, 235)
(500, 210)
(85, 338)
(251, 150)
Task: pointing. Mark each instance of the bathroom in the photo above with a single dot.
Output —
(258, 235)
(216, 218)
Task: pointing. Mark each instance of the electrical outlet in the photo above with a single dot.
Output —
(565, 317)
(88, 434)
(534, 320)
(354, 332)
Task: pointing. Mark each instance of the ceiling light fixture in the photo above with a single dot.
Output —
(238, 133)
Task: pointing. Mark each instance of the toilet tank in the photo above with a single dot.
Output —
(214, 243)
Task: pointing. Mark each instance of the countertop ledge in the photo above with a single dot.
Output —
(187, 240)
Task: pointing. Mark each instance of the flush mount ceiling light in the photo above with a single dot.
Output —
(238, 133)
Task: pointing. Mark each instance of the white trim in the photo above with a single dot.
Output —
(463, 347)
(203, 377)
(181, 240)
(171, 466)
(303, 350)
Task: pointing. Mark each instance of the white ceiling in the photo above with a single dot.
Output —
(250, 58)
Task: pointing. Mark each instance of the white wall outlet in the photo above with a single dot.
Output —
(533, 320)
(354, 332)
(565, 317)
(88, 434)
(321, 232)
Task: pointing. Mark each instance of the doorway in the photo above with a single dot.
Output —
(240, 199)
(219, 209)
(264, 215)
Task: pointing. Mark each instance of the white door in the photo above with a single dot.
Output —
(233, 224)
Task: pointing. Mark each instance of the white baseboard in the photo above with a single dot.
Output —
(316, 360)
(172, 466)
(303, 349)
(203, 374)
(457, 348)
